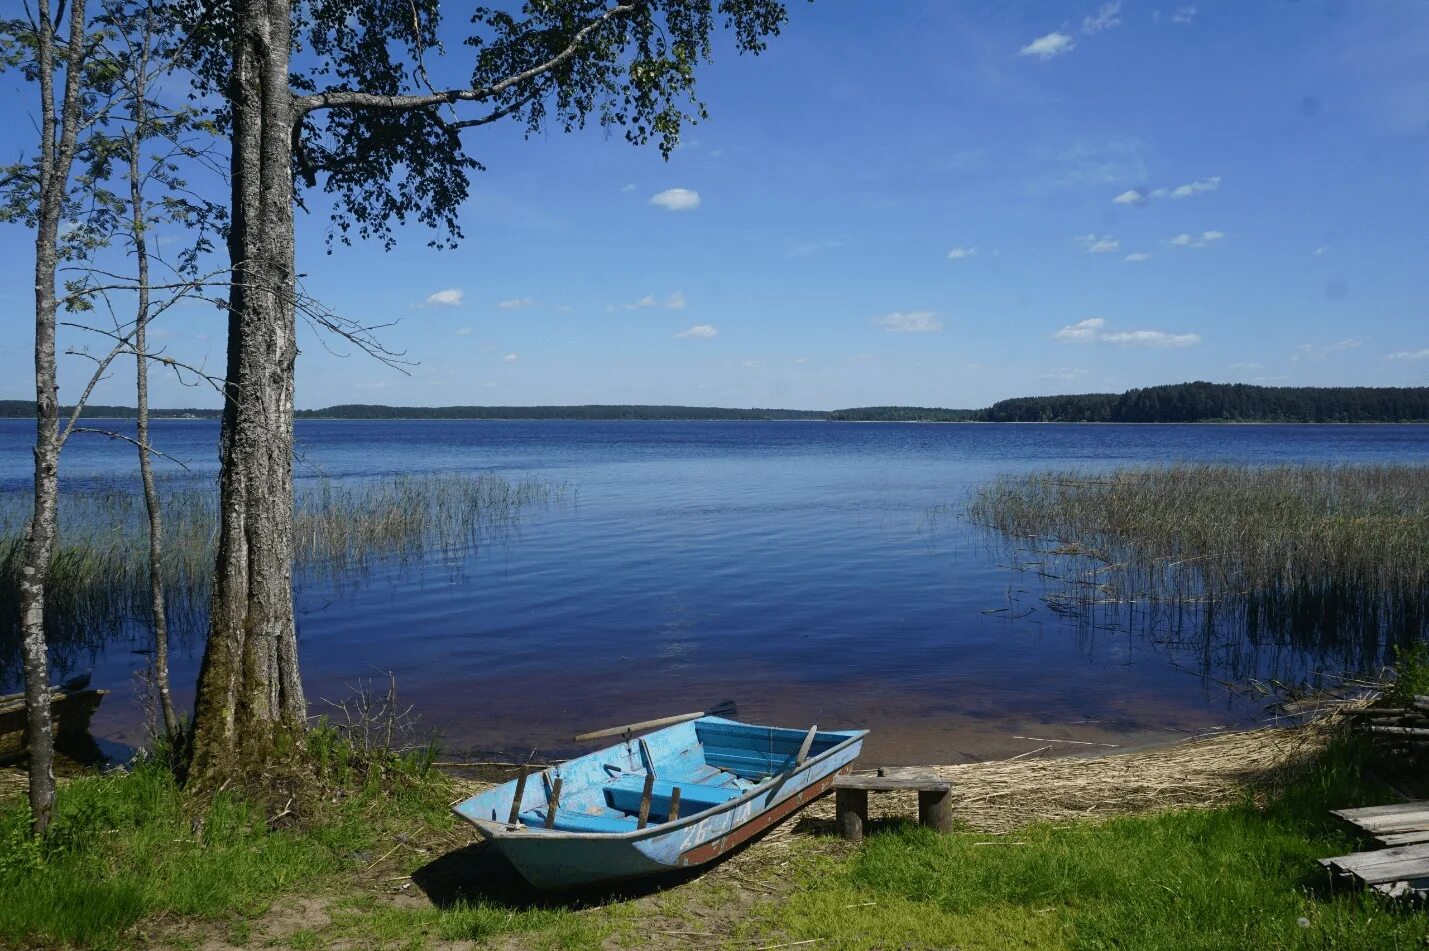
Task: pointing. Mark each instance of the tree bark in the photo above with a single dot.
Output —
(58, 130)
(249, 693)
(141, 353)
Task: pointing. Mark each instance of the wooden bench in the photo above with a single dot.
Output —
(935, 799)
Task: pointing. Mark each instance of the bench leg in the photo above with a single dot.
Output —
(851, 806)
(935, 809)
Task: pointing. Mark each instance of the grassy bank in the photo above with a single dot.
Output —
(100, 576)
(131, 862)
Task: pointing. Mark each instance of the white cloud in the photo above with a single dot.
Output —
(1184, 16)
(1246, 365)
(463, 331)
(699, 332)
(1197, 187)
(675, 301)
(1320, 251)
(1082, 330)
(450, 297)
(1093, 329)
(912, 322)
(957, 254)
(1046, 47)
(1141, 196)
(1151, 338)
(1408, 355)
(1137, 256)
(627, 188)
(516, 303)
(510, 358)
(677, 199)
(1098, 244)
(750, 364)
(1105, 18)
(1066, 374)
(1186, 240)
(1311, 351)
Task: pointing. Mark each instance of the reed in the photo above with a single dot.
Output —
(1324, 555)
(99, 579)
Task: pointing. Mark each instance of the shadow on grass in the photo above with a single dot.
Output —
(479, 873)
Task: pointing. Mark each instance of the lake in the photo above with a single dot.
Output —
(811, 571)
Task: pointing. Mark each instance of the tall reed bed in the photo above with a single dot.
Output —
(1318, 554)
(99, 578)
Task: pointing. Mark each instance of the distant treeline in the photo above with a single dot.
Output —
(370, 411)
(10, 409)
(1221, 402)
(904, 414)
(1176, 403)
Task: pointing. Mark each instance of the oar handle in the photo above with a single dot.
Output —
(642, 725)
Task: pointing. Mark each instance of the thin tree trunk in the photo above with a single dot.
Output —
(249, 693)
(56, 158)
(141, 353)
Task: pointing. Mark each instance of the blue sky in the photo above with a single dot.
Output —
(917, 203)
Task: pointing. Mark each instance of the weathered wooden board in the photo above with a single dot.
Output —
(1401, 863)
(929, 782)
(1370, 812)
(1405, 817)
(1403, 838)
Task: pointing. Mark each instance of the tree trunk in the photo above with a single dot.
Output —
(141, 353)
(249, 693)
(56, 158)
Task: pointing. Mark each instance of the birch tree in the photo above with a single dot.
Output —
(47, 51)
(374, 113)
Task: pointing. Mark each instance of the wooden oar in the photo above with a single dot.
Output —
(806, 745)
(725, 708)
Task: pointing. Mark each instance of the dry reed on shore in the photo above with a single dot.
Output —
(1001, 796)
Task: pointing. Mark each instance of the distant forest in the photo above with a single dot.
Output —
(1221, 402)
(1176, 403)
(904, 414)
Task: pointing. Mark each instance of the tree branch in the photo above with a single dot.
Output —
(129, 439)
(352, 99)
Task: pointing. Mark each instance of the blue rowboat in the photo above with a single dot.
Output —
(734, 780)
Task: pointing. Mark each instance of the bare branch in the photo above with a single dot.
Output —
(130, 439)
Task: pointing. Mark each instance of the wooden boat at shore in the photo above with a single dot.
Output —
(673, 799)
(70, 709)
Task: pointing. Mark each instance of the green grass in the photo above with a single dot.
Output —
(127, 852)
(1232, 878)
(127, 847)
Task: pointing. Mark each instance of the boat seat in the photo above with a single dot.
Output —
(571, 820)
(624, 794)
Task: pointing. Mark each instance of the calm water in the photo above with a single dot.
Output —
(802, 569)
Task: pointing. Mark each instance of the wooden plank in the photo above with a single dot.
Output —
(1354, 815)
(927, 783)
(1404, 838)
(1403, 822)
(1386, 865)
(1400, 871)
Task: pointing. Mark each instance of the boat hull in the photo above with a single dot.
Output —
(551, 859)
(70, 713)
